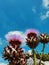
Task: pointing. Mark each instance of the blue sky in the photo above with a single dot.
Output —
(21, 15)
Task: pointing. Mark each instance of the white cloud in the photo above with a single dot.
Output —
(14, 34)
(3, 64)
(33, 10)
(45, 16)
(46, 4)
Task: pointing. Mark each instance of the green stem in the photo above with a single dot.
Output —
(43, 48)
(42, 54)
(34, 55)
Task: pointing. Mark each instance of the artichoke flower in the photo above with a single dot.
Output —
(33, 42)
(32, 39)
(13, 53)
(12, 56)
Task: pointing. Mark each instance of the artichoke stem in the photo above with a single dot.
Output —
(34, 59)
(34, 55)
(42, 54)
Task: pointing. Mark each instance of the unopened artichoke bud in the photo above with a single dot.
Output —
(41, 37)
(44, 38)
(48, 38)
(42, 34)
